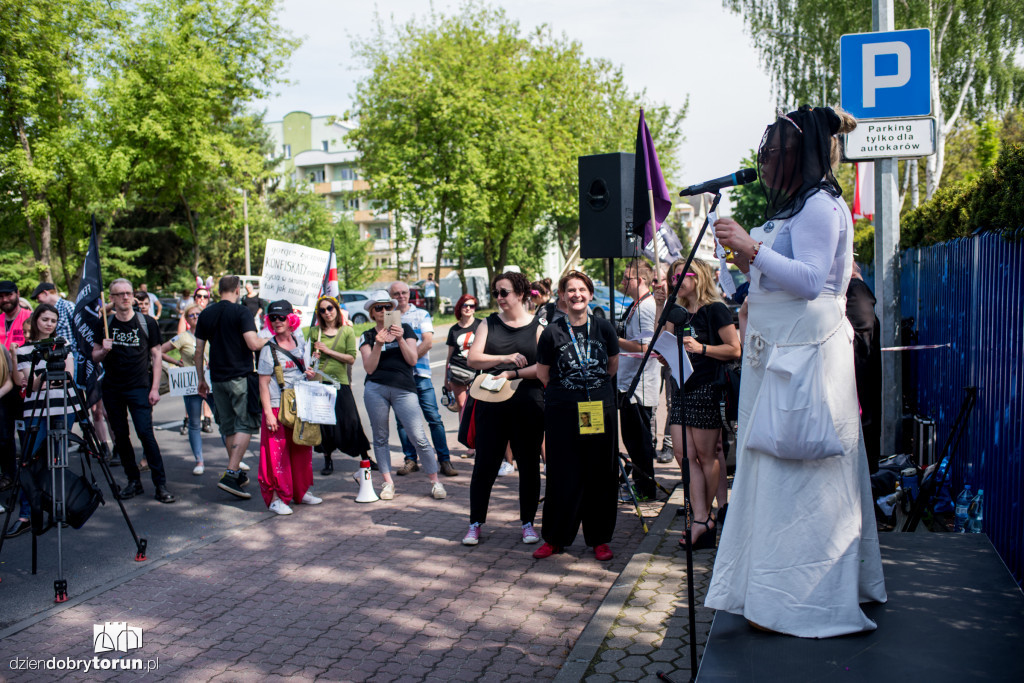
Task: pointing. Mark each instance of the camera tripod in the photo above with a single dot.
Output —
(55, 379)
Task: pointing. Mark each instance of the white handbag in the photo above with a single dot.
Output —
(791, 418)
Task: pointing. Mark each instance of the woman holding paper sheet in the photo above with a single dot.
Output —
(577, 358)
(334, 347)
(704, 329)
(286, 468)
(800, 552)
(506, 348)
(186, 345)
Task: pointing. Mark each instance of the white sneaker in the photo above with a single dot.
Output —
(387, 491)
(506, 468)
(309, 499)
(437, 491)
(242, 466)
(529, 534)
(198, 469)
(280, 508)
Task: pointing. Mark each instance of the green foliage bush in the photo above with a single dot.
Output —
(992, 202)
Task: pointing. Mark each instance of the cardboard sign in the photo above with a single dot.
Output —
(184, 381)
(292, 272)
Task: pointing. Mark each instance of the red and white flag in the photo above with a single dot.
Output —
(864, 191)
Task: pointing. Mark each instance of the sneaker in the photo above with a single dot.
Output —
(409, 467)
(472, 536)
(278, 506)
(529, 534)
(666, 455)
(387, 491)
(230, 484)
(131, 489)
(5, 482)
(184, 427)
(437, 491)
(447, 469)
(163, 495)
(143, 465)
(546, 550)
(207, 425)
(602, 552)
(243, 478)
(198, 469)
(309, 499)
(506, 468)
(18, 528)
(243, 467)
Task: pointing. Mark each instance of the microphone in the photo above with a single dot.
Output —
(678, 315)
(747, 175)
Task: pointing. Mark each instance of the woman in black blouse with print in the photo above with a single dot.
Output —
(577, 358)
(506, 346)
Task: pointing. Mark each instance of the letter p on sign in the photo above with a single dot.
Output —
(886, 74)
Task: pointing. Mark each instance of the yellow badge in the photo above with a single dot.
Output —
(591, 417)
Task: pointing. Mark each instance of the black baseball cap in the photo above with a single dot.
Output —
(281, 307)
(7, 286)
(43, 287)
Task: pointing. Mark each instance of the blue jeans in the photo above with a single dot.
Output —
(194, 410)
(428, 404)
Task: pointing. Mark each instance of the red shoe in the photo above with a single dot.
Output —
(603, 552)
(546, 550)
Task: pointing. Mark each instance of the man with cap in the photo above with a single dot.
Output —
(230, 331)
(12, 332)
(132, 365)
(46, 293)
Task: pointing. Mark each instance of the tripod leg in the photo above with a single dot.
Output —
(632, 495)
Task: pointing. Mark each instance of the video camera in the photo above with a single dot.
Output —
(53, 351)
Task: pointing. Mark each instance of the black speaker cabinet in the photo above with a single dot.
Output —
(606, 206)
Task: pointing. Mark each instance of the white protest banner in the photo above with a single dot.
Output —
(184, 381)
(314, 402)
(292, 272)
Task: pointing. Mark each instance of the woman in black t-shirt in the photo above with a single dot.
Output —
(460, 338)
(577, 358)
(506, 346)
(706, 331)
(389, 354)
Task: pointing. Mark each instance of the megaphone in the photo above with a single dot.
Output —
(365, 479)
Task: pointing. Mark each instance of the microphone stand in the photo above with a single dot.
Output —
(690, 595)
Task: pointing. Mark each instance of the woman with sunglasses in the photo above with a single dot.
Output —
(800, 551)
(577, 358)
(286, 468)
(389, 354)
(200, 298)
(506, 346)
(703, 326)
(185, 343)
(334, 352)
(460, 338)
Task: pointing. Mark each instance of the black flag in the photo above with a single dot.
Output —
(87, 323)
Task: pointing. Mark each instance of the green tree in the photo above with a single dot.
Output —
(974, 43)
(748, 202)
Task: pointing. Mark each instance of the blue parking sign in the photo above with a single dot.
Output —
(886, 74)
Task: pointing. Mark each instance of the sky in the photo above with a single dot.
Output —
(670, 48)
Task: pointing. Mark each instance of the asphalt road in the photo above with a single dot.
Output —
(101, 553)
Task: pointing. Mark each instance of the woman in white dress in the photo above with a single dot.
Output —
(800, 552)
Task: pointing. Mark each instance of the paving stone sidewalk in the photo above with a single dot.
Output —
(349, 592)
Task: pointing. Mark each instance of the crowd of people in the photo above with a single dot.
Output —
(544, 386)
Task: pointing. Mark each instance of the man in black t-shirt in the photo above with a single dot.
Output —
(131, 384)
(253, 303)
(231, 333)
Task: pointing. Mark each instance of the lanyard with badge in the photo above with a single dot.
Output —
(590, 413)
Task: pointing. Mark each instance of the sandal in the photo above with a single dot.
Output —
(706, 540)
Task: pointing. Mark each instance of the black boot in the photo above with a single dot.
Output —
(328, 466)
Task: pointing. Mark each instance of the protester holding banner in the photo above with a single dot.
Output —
(389, 353)
(334, 350)
(186, 346)
(286, 468)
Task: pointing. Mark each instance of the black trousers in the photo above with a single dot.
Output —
(136, 402)
(635, 420)
(582, 478)
(10, 410)
(518, 422)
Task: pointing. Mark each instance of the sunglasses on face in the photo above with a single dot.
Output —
(326, 309)
(202, 296)
(379, 308)
(469, 305)
(192, 315)
(502, 293)
(277, 318)
(679, 276)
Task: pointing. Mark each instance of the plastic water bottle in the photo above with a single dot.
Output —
(974, 513)
(963, 502)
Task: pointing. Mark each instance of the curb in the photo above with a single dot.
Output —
(590, 641)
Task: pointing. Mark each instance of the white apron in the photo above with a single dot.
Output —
(800, 550)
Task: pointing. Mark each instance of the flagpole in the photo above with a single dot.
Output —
(103, 312)
(654, 226)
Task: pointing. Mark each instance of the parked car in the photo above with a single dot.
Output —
(600, 304)
(352, 300)
(168, 322)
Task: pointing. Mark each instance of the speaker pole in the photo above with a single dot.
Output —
(611, 290)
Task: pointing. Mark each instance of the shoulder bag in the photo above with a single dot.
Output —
(303, 433)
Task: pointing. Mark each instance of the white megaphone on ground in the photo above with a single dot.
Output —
(365, 479)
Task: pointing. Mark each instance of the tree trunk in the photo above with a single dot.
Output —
(442, 238)
(195, 234)
(42, 249)
(915, 191)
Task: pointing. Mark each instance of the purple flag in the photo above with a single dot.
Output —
(647, 176)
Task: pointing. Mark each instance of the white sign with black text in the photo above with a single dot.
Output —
(314, 402)
(293, 272)
(886, 138)
(184, 381)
